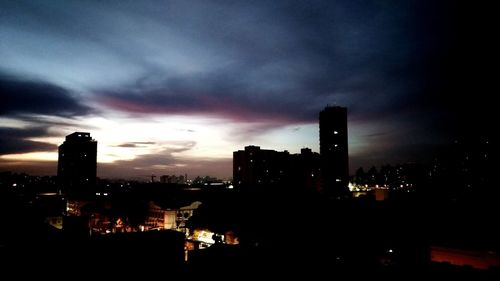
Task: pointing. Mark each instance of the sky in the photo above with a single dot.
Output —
(174, 87)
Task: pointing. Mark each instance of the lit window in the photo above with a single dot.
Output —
(336, 145)
(337, 180)
(335, 132)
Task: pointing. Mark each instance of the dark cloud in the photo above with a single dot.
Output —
(276, 60)
(31, 97)
(14, 140)
(246, 133)
(166, 162)
(287, 60)
(136, 144)
(165, 157)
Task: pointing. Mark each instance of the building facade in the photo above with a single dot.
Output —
(255, 167)
(77, 164)
(334, 151)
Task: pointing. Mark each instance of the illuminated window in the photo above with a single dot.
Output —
(335, 132)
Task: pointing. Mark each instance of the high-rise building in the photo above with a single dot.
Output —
(334, 151)
(306, 170)
(255, 167)
(77, 164)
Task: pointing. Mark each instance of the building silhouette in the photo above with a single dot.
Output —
(334, 151)
(77, 164)
(306, 170)
(255, 167)
(327, 172)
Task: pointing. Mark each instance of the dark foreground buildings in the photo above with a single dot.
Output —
(255, 168)
(334, 151)
(77, 164)
(327, 172)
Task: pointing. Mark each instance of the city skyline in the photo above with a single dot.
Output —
(176, 87)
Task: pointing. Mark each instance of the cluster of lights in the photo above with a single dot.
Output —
(358, 187)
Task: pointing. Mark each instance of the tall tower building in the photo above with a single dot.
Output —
(333, 151)
(77, 164)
